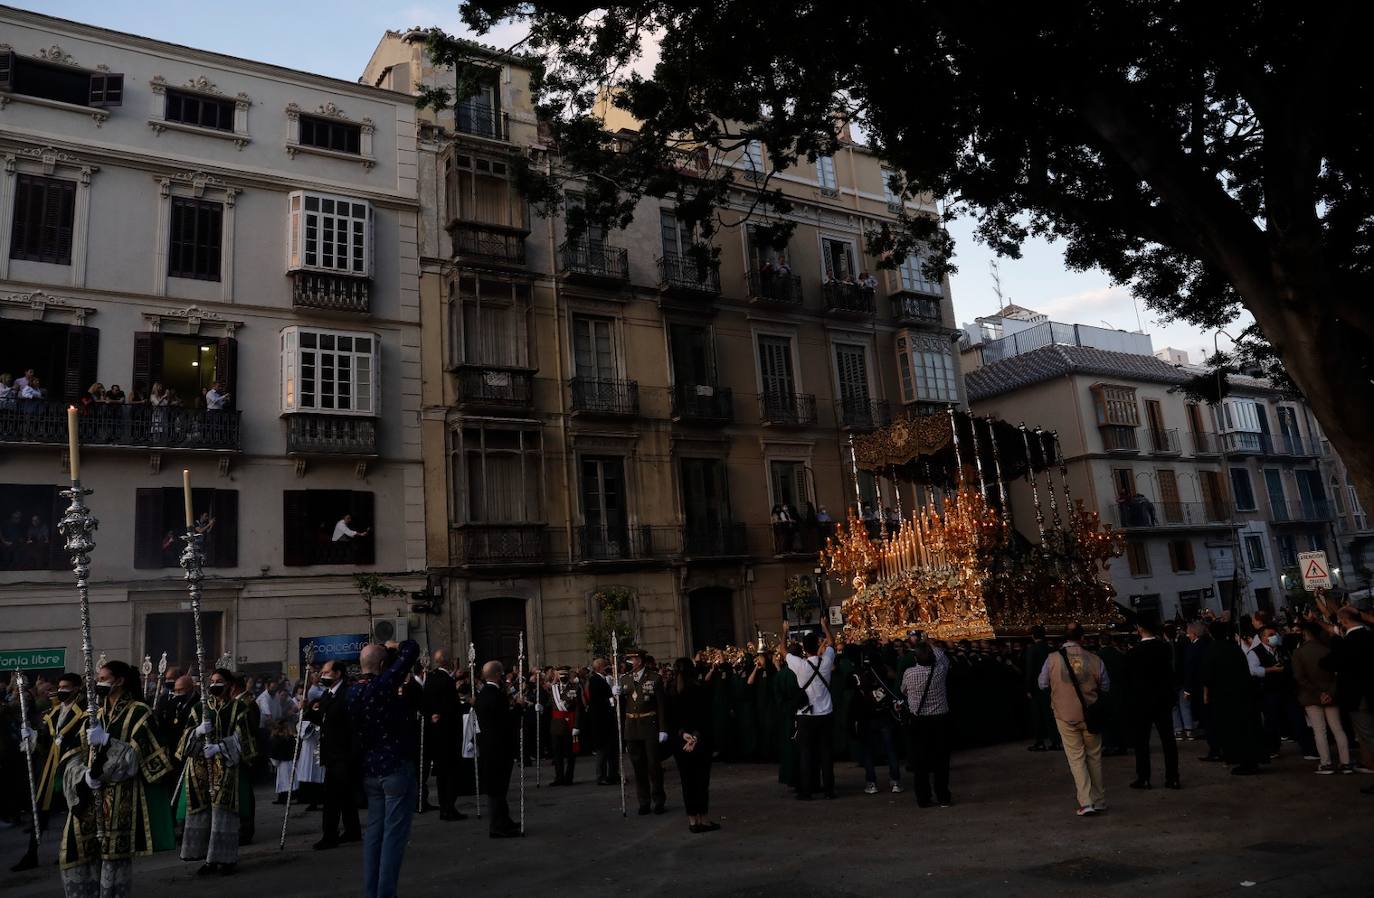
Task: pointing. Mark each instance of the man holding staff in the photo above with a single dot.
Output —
(214, 750)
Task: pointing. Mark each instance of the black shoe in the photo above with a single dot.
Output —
(1038, 746)
(923, 803)
(1211, 758)
(1141, 784)
(428, 807)
(1245, 770)
(830, 796)
(644, 810)
(227, 869)
(325, 844)
(452, 815)
(207, 869)
(1172, 784)
(696, 828)
(658, 808)
(28, 862)
(946, 801)
(350, 837)
(505, 834)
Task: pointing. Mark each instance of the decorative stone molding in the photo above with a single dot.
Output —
(195, 184)
(199, 182)
(329, 110)
(56, 54)
(39, 304)
(49, 159)
(49, 162)
(198, 322)
(202, 85)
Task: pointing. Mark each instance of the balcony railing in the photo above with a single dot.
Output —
(312, 434)
(594, 261)
(331, 292)
(605, 396)
(723, 540)
(1119, 438)
(495, 388)
(498, 544)
(493, 246)
(344, 551)
(1243, 442)
(687, 274)
(703, 403)
(917, 310)
(849, 300)
(863, 414)
(1302, 511)
(1163, 442)
(1204, 443)
(593, 542)
(133, 426)
(1284, 446)
(787, 409)
(482, 120)
(775, 288)
(1139, 512)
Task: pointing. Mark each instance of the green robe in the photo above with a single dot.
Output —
(785, 692)
(765, 708)
(841, 697)
(745, 720)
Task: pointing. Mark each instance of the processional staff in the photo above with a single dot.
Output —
(296, 751)
(29, 736)
(520, 679)
(615, 706)
(476, 761)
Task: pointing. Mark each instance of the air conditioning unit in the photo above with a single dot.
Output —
(388, 629)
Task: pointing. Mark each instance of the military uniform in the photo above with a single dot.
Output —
(566, 700)
(642, 703)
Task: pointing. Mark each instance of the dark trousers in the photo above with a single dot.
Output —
(815, 754)
(930, 751)
(495, 784)
(445, 769)
(339, 804)
(607, 761)
(694, 768)
(876, 733)
(1162, 721)
(1045, 731)
(646, 758)
(563, 757)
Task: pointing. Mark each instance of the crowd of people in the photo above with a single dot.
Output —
(29, 386)
(381, 737)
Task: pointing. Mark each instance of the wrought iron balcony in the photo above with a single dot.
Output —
(787, 409)
(594, 262)
(498, 389)
(605, 396)
(489, 245)
(688, 275)
(322, 434)
(921, 311)
(1119, 438)
(847, 300)
(863, 414)
(518, 545)
(1163, 442)
(1281, 445)
(775, 288)
(331, 292)
(481, 120)
(703, 404)
(344, 551)
(1243, 442)
(1205, 443)
(41, 421)
(1302, 511)
(724, 540)
(601, 542)
(1139, 513)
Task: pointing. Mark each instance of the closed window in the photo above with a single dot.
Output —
(594, 348)
(1242, 490)
(1254, 552)
(925, 365)
(825, 174)
(753, 160)
(44, 209)
(62, 83)
(913, 278)
(1138, 559)
(327, 134)
(499, 480)
(892, 189)
(1288, 550)
(329, 371)
(1181, 556)
(1116, 406)
(199, 110)
(195, 239)
(331, 233)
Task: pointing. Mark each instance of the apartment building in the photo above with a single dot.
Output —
(172, 218)
(1215, 501)
(604, 420)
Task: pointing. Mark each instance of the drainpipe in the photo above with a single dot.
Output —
(558, 357)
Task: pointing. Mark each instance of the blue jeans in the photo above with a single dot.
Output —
(390, 807)
(872, 732)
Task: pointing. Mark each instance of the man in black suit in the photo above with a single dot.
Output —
(442, 733)
(601, 724)
(1352, 661)
(330, 713)
(497, 721)
(1149, 672)
(1046, 735)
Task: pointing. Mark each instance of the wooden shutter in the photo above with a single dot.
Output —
(225, 508)
(7, 70)
(106, 89)
(361, 507)
(852, 364)
(226, 367)
(83, 344)
(147, 361)
(297, 533)
(148, 528)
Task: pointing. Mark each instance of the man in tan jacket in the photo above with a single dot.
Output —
(1082, 748)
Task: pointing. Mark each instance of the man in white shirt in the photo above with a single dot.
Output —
(23, 382)
(344, 531)
(814, 673)
(216, 398)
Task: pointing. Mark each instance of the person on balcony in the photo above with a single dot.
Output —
(23, 381)
(114, 395)
(31, 388)
(784, 527)
(343, 530)
(216, 398)
(7, 389)
(158, 396)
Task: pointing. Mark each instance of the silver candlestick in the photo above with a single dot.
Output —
(77, 526)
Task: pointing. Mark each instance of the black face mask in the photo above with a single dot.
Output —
(216, 688)
(64, 696)
(328, 682)
(104, 689)
(169, 686)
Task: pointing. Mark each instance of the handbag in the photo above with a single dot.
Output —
(1094, 715)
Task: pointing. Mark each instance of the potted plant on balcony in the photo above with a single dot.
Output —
(609, 604)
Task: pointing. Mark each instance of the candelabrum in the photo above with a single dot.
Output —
(77, 526)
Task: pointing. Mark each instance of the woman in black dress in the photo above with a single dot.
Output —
(689, 724)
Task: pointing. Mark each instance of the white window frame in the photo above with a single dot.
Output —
(297, 251)
(825, 176)
(751, 157)
(893, 200)
(912, 279)
(203, 87)
(48, 163)
(917, 375)
(293, 356)
(329, 110)
(854, 259)
(200, 186)
(1253, 541)
(1357, 515)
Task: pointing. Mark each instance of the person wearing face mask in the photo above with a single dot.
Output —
(109, 773)
(33, 746)
(216, 748)
(329, 712)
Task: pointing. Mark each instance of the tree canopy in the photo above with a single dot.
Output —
(1211, 156)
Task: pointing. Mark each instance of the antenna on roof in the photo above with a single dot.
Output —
(995, 270)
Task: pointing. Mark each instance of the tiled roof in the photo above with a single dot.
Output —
(1049, 362)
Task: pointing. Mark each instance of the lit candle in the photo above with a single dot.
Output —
(186, 493)
(73, 447)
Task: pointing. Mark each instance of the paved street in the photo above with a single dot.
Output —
(1012, 831)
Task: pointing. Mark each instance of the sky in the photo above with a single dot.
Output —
(336, 38)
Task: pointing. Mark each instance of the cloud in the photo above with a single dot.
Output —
(1077, 304)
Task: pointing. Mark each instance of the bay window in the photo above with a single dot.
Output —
(329, 371)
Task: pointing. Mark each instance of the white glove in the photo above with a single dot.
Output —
(28, 739)
(210, 750)
(539, 709)
(615, 690)
(205, 727)
(662, 737)
(576, 732)
(93, 784)
(97, 735)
